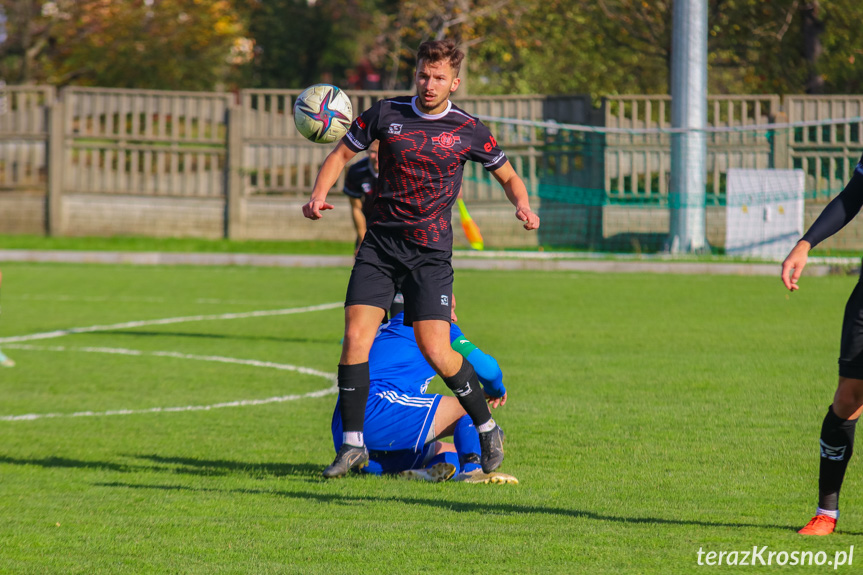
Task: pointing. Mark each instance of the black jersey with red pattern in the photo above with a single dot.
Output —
(421, 160)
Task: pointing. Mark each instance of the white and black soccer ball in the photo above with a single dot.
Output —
(323, 113)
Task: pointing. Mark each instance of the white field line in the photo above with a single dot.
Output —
(128, 299)
(11, 343)
(165, 321)
(239, 403)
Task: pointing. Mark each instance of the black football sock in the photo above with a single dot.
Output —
(353, 395)
(837, 445)
(465, 385)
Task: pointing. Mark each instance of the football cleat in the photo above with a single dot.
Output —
(819, 525)
(346, 459)
(491, 443)
(436, 473)
(5, 361)
(479, 476)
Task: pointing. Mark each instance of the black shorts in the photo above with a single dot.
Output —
(386, 263)
(851, 348)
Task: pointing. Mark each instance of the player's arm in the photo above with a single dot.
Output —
(516, 193)
(486, 367)
(841, 210)
(326, 179)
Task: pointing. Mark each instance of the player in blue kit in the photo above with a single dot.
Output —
(403, 423)
(425, 141)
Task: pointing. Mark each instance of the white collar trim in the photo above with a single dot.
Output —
(430, 116)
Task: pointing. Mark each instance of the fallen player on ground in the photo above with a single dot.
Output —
(403, 424)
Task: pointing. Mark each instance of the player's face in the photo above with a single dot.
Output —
(435, 82)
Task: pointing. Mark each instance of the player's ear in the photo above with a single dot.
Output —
(454, 85)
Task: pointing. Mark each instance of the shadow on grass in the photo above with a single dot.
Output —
(311, 473)
(213, 336)
(463, 506)
(179, 465)
(227, 467)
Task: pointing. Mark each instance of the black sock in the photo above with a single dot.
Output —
(837, 445)
(353, 394)
(465, 385)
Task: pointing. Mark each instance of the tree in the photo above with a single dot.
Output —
(624, 46)
(23, 38)
(299, 43)
(573, 46)
(166, 44)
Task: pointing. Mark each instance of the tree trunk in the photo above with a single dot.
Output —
(812, 49)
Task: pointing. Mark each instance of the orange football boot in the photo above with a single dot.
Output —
(819, 525)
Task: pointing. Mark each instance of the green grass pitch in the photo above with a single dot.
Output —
(649, 417)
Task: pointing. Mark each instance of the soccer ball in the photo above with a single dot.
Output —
(323, 113)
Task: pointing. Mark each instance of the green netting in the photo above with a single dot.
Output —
(612, 190)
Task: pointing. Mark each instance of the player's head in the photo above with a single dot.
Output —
(438, 64)
(373, 154)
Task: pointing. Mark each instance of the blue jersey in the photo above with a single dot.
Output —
(399, 414)
(396, 360)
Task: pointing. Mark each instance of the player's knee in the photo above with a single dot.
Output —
(442, 358)
(849, 396)
(357, 341)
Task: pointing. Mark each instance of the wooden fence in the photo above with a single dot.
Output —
(224, 164)
(638, 166)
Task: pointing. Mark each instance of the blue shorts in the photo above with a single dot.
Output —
(396, 428)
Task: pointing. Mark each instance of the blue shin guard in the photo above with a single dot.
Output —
(466, 441)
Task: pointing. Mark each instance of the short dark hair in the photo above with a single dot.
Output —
(441, 51)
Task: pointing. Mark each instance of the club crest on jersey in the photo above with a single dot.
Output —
(446, 140)
(367, 187)
(395, 129)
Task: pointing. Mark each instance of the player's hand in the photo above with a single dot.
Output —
(793, 265)
(530, 219)
(313, 209)
(495, 402)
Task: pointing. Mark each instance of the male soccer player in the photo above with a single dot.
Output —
(360, 183)
(403, 423)
(424, 142)
(837, 430)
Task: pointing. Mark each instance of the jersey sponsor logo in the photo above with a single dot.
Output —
(832, 453)
(361, 123)
(446, 140)
(444, 300)
(489, 146)
(395, 129)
